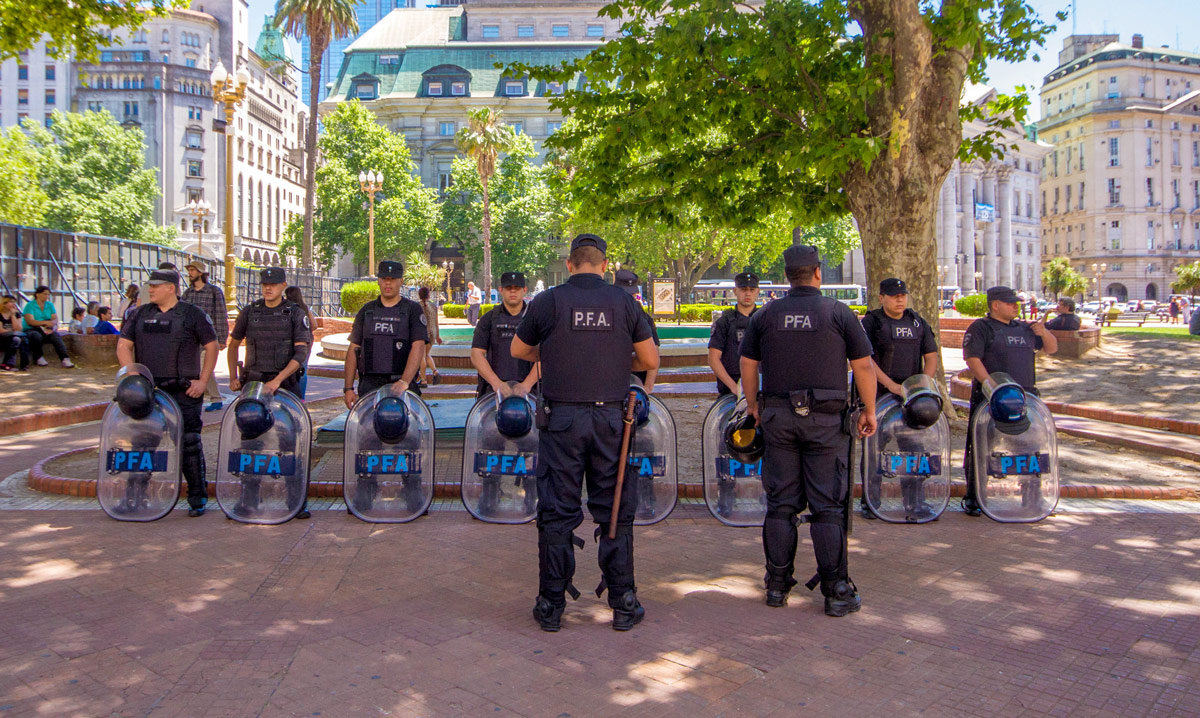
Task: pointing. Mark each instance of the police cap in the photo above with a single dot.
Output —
(390, 269)
(273, 275)
(512, 279)
(892, 287)
(589, 240)
(800, 255)
(627, 280)
(1002, 294)
(164, 276)
(746, 280)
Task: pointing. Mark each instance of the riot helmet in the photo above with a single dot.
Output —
(254, 418)
(514, 416)
(922, 403)
(744, 438)
(391, 419)
(641, 411)
(135, 396)
(1006, 402)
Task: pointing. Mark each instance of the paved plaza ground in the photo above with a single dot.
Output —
(1091, 612)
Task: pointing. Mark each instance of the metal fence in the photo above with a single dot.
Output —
(80, 268)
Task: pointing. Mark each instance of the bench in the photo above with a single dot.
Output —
(1126, 319)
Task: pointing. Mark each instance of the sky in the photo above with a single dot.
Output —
(1160, 21)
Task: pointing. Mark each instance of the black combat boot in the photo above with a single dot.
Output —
(547, 614)
(627, 610)
(841, 598)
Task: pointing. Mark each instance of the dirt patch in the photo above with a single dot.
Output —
(51, 387)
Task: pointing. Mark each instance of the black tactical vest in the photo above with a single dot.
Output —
(499, 353)
(385, 336)
(589, 353)
(166, 341)
(801, 346)
(735, 329)
(897, 344)
(1012, 351)
(269, 338)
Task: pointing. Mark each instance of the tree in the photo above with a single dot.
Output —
(322, 21)
(93, 172)
(483, 139)
(22, 200)
(406, 212)
(745, 111)
(1060, 278)
(418, 272)
(76, 28)
(1187, 279)
(525, 211)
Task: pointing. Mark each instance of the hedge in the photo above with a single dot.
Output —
(356, 294)
(459, 311)
(974, 305)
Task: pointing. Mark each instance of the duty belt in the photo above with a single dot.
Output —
(553, 402)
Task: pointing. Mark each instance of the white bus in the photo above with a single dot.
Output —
(720, 291)
(852, 294)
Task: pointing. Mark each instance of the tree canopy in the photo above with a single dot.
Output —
(1187, 279)
(483, 138)
(22, 200)
(78, 28)
(406, 212)
(1059, 277)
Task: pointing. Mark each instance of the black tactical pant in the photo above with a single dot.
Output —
(804, 466)
(582, 443)
(192, 451)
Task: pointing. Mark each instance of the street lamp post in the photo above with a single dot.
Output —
(229, 90)
(370, 183)
(448, 267)
(978, 279)
(199, 210)
(1098, 270)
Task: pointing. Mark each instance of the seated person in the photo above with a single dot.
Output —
(105, 325)
(13, 341)
(1067, 320)
(76, 324)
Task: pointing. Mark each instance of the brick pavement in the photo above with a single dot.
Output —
(1085, 613)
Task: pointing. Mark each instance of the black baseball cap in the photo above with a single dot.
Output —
(163, 276)
(390, 269)
(512, 279)
(800, 255)
(1002, 294)
(626, 279)
(273, 275)
(893, 286)
(746, 280)
(589, 240)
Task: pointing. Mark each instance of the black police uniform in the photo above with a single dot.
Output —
(726, 336)
(803, 341)
(386, 335)
(271, 335)
(1008, 348)
(168, 344)
(586, 329)
(494, 334)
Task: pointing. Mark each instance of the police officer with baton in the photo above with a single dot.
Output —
(589, 335)
(801, 343)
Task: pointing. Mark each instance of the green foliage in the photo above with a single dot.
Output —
(75, 29)
(524, 212)
(22, 200)
(974, 305)
(459, 311)
(92, 170)
(698, 312)
(406, 212)
(1060, 278)
(859, 309)
(1187, 279)
(482, 140)
(420, 273)
(356, 294)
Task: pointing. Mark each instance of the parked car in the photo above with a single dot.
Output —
(1089, 308)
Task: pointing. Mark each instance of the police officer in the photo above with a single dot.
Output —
(166, 335)
(491, 345)
(589, 336)
(278, 337)
(390, 332)
(903, 345)
(999, 342)
(802, 342)
(727, 331)
(628, 280)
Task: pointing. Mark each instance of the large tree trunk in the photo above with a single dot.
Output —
(318, 46)
(487, 238)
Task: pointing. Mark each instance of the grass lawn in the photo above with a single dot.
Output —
(1178, 331)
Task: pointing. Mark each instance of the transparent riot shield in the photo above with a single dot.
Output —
(262, 464)
(906, 468)
(652, 465)
(733, 489)
(140, 439)
(499, 475)
(1016, 454)
(388, 474)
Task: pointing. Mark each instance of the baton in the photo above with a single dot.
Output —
(630, 407)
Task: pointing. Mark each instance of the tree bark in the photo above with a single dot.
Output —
(487, 238)
(318, 45)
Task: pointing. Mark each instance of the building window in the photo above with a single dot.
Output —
(524, 30)
(433, 89)
(195, 168)
(554, 88)
(517, 127)
(1196, 194)
(49, 97)
(512, 88)
(560, 30)
(1149, 124)
(458, 89)
(1114, 192)
(49, 120)
(166, 36)
(49, 72)
(1175, 194)
(1068, 198)
(1149, 191)
(189, 62)
(444, 178)
(491, 32)
(22, 97)
(1149, 152)
(1055, 211)
(1028, 202)
(106, 56)
(166, 58)
(1114, 235)
(595, 31)
(195, 140)
(1114, 124)
(1150, 234)
(1114, 152)
(553, 126)
(1178, 227)
(389, 59)
(1175, 155)
(364, 90)
(445, 129)
(94, 107)
(1081, 185)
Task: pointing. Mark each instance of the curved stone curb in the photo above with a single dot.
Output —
(52, 418)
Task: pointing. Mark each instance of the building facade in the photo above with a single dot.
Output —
(33, 86)
(1121, 188)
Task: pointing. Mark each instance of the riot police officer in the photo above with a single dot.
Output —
(628, 280)
(390, 333)
(491, 345)
(999, 342)
(727, 331)
(589, 336)
(166, 335)
(278, 337)
(903, 345)
(802, 342)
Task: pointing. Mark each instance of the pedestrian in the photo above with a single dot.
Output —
(1173, 310)
(211, 301)
(902, 345)
(588, 336)
(474, 300)
(295, 295)
(628, 280)
(128, 303)
(491, 345)
(13, 341)
(40, 321)
(1066, 320)
(999, 342)
(802, 342)
(75, 326)
(725, 337)
(435, 335)
(167, 322)
(105, 325)
(390, 334)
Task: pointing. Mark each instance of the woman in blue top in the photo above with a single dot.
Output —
(41, 321)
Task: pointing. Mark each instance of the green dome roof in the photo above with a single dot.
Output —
(270, 45)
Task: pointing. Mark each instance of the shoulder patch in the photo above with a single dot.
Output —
(305, 320)
(424, 321)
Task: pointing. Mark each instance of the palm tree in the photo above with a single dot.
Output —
(322, 21)
(485, 137)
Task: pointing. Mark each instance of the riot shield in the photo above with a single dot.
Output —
(499, 474)
(140, 439)
(733, 489)
(262, 469)
(906, 468)
(1016, 454)
(652, 462)
(389, 443)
